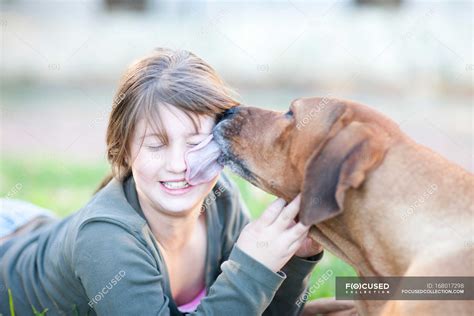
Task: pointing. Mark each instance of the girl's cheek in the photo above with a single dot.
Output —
(147, 163)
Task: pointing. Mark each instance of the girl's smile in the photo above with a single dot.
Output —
(176, 187)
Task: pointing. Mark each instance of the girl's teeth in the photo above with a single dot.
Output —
(176, 185)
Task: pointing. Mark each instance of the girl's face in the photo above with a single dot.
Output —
(159, 169)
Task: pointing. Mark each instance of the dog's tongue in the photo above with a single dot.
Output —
(201, 162)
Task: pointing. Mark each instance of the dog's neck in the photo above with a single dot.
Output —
(395, 217)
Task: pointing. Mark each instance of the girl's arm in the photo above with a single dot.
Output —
(290, 297)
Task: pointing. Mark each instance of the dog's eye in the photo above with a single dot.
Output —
(289, 113)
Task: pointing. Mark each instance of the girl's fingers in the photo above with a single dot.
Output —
(288, 213)
(297, 231)
(272, 212)
(295, 245)
(292, 223)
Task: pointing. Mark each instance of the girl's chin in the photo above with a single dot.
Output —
(179, 208)
(183, 203)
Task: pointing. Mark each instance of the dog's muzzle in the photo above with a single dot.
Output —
(227, 128)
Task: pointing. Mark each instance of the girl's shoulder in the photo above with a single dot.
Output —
(110, 205)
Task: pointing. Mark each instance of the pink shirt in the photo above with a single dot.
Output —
(192, 305)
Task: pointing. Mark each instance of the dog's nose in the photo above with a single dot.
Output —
(227, 113)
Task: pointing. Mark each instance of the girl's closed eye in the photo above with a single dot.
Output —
(155, 147)
(196, 139)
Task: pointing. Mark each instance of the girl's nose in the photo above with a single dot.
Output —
(175, 161)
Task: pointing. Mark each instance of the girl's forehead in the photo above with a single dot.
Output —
(171, 117)
(175, 122)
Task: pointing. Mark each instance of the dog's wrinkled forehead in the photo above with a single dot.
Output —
(317, 114)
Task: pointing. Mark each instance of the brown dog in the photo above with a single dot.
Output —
(383, 203)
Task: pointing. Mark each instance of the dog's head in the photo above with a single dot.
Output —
(317, 148)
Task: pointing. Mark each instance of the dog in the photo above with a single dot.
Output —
(376, 199)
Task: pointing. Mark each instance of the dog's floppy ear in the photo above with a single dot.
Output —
(341, 164)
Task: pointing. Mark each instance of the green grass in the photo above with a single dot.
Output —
(64, 186)
(58, 185)
(10, 302)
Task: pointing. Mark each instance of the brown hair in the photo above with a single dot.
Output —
(164, 77)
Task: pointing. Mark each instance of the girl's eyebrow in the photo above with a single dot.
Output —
(188, 135)
(148, 135)
(198, 134)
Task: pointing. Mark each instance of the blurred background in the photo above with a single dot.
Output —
(61, 62)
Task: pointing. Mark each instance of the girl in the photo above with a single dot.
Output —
(148, 242)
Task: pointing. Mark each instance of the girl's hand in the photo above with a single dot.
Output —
(275, 237)
(309, 248)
